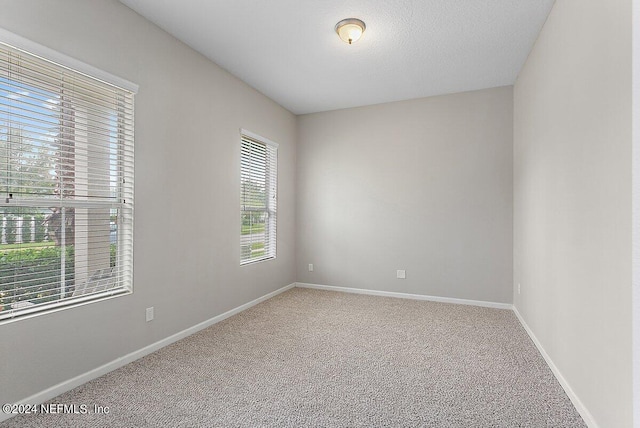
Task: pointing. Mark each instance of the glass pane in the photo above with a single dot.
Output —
(34, 267)
(253, 234)
(49, 255)
(57, 144)
(29, 127)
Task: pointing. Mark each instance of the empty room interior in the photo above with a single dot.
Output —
(300, 213)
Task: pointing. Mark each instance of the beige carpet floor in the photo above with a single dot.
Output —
(310, 358)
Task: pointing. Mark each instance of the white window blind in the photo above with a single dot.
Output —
(66, 184)
(258, 198)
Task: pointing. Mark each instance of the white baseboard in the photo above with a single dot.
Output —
(68, 385)
(586, 415)
(407, 296)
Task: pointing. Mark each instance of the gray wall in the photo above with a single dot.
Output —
(187, 222)
(572, 207)
(423, 185)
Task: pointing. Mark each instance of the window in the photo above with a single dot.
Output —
(66, 181)
(258, 190)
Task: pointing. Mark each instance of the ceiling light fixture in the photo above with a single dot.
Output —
(350, 30)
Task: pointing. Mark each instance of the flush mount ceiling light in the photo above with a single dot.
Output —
(350, 30)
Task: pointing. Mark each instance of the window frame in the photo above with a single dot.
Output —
(124, 164)
(271, 210)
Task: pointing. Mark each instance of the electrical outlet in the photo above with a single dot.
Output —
(310, 267)
(150, 314)
(518, 288)
(401, 274)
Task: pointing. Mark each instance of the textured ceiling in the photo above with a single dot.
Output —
(288, 49)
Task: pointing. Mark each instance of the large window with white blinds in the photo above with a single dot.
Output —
(66, 181)
(258, 198)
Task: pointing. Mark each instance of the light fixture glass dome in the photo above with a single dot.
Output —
(350, 30)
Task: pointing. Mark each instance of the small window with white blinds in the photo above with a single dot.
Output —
(258, 198)
(66, 181)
